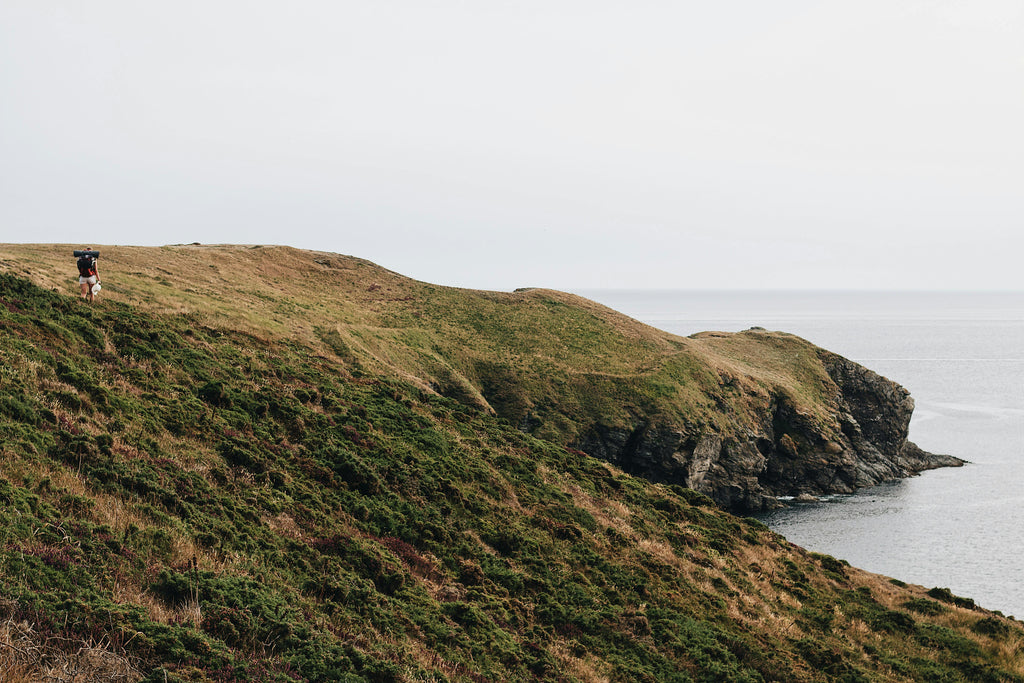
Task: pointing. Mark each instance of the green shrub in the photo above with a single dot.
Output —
(892, 621)
(991, 626)
(924, 606)
(945, 595)
(943, 638)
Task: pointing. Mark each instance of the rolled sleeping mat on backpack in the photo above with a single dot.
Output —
(83, 252)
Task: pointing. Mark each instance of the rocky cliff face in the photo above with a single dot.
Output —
(788, 453)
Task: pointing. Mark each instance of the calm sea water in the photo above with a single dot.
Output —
(961, 355)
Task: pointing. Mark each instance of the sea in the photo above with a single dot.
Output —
(961, 356)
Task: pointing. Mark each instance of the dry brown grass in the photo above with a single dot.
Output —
(588, 669)
(758, 611)
(285, 525)
(189, 611)
(427, 659)
(286, 292)
(1011, 652)
(112, 511)
(608, 513)
(662, 552)
(240, 286)
(29, 657)
(479, 541)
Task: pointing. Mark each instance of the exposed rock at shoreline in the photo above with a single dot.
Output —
(788, 454)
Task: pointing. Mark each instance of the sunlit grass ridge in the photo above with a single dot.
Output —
(562, 359)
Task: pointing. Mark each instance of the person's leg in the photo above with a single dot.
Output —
(86, 289)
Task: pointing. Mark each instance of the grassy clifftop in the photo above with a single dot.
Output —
(200, 482)
(543, 355)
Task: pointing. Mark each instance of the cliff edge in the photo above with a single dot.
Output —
(787, 451)
(744, 418)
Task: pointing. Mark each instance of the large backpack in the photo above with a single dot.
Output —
(86, 267)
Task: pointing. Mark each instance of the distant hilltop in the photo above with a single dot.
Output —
(743, 418)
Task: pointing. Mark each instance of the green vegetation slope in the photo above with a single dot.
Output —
(742, 418)
(219, 489)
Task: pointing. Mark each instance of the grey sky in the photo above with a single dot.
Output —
(868, 144)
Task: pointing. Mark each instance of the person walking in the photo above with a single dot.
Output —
(88, 273)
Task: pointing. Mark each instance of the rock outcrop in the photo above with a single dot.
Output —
(788, 454)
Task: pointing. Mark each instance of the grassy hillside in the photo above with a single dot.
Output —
(575, 362)
(249, 475)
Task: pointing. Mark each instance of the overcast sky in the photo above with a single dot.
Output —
(684, 144)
